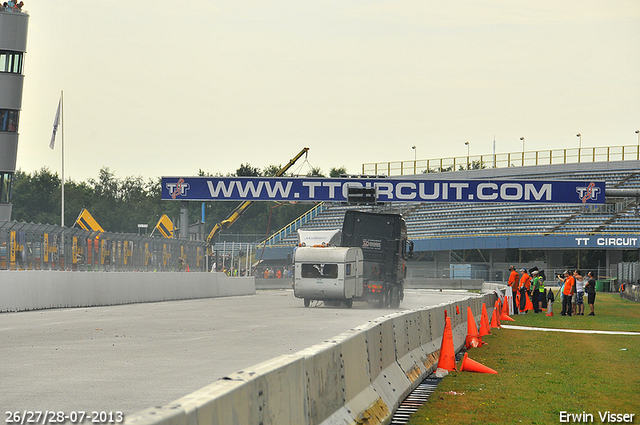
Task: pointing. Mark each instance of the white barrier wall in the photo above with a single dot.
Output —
(39, 289)
(360, 376)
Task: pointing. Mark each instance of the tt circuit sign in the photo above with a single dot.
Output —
(607, 242)
(387, 190)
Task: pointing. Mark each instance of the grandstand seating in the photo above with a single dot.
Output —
(446, 220)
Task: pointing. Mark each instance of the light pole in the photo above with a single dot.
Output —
(638, 133)
(522, 138)
(415, 157)
(579, 136)
(468, 167)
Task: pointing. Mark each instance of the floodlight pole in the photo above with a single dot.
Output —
(468, 164)
(415, 158)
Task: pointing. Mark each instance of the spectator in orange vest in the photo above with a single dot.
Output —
(278, 274)
(514, 277)
(525, 285)
(525, 279)
(567, 292)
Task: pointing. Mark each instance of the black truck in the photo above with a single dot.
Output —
(383, 240)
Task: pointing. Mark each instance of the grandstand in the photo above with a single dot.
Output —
(439, 228)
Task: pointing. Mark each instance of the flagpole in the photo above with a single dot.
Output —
(62, 136)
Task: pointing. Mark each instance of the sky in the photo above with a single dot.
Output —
(168, 88)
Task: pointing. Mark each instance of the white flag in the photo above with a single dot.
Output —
(55, 125)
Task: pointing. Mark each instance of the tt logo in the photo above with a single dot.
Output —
(589, 192)
(178, 188)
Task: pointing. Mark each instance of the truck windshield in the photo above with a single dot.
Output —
(320, 270)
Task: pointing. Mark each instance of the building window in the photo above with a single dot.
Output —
(11, 62)
(9, 120)
(5, 187)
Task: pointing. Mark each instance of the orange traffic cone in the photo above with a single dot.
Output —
(473, 336)
(457, 310)
(550, 309)
(505, 306)
(494, 319)
(484, 322)
(495, 323)
(505, 312)
(447, 359)
(469, 365)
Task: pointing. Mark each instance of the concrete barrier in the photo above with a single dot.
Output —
(40, 289)
(284, 283)
(360, 376)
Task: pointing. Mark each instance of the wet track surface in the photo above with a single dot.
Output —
(130, 357)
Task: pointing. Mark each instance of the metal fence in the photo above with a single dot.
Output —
(629, 272)
(29, 246)
(502, 160)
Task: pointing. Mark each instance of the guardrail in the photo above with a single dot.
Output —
(29, 246)
(360, 376)
(503, 160)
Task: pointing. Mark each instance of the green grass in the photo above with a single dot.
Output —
(541, 374)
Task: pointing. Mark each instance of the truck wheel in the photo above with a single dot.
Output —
(348, 303)
(394, 294)
(384, 301)
(307, 302)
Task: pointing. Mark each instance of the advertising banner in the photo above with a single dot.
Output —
(388, 190)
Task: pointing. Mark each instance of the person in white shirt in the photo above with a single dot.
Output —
(579, 304)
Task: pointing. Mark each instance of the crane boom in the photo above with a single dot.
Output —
(240, 209)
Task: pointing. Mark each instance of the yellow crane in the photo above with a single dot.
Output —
(240, 209)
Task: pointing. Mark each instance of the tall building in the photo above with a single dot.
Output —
(13, 45)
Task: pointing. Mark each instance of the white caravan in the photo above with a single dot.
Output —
(328, 274)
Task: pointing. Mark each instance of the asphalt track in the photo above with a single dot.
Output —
(130, 357)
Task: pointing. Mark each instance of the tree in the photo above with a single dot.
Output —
(337, 172)
(248, 170)
(36, 197)
(315, 172)
(271, 170)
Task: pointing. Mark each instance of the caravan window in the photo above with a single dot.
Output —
(320, 270)
(347, 269)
